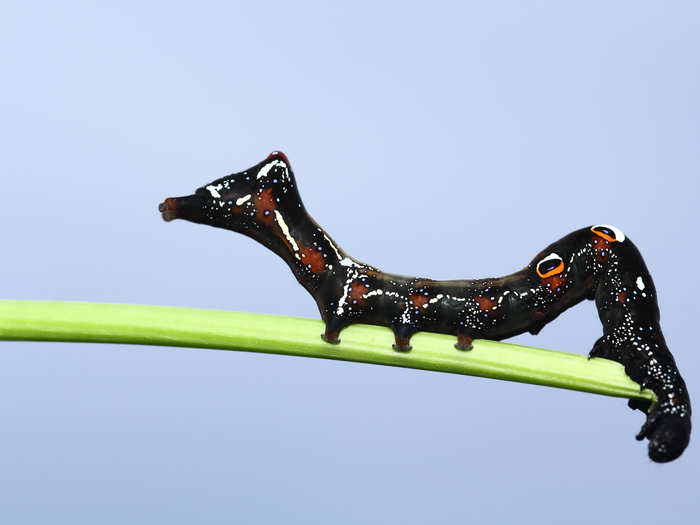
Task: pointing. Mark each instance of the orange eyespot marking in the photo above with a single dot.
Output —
(555, 282)
(609, 233)
(549, 266)
(554, 271)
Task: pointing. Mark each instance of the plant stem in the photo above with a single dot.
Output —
(190, 327)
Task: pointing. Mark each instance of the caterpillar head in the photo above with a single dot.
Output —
(240, 201)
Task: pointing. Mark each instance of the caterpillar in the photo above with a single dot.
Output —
(597, 262)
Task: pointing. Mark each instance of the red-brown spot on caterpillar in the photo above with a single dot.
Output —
(555, 281)
(312, 258)
(601, 247)
(622, 297)
(357, 290)
(485, 303)
(264, 206)
(419, 300)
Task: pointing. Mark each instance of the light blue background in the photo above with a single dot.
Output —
(437, 139)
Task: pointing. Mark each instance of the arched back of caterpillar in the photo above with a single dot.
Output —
(596, 262)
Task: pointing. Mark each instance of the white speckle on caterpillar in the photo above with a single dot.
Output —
(640, 283)
(214, 190)
(347, 261)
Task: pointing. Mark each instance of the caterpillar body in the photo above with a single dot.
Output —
(597, 262)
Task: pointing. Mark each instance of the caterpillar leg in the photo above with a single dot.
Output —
(402, 334)
(602, 348)
(639, 404)
(333, 327)
(464, 341)
(331, 337)
(537, 328)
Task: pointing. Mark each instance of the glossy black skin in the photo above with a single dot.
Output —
(595, 262)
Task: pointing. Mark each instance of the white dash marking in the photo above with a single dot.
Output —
(335, 249)
(243, 200)
(285, 230)
(267, 167)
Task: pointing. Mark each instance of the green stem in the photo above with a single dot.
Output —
(190, 327)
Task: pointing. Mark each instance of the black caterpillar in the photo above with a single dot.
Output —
(597, 262)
